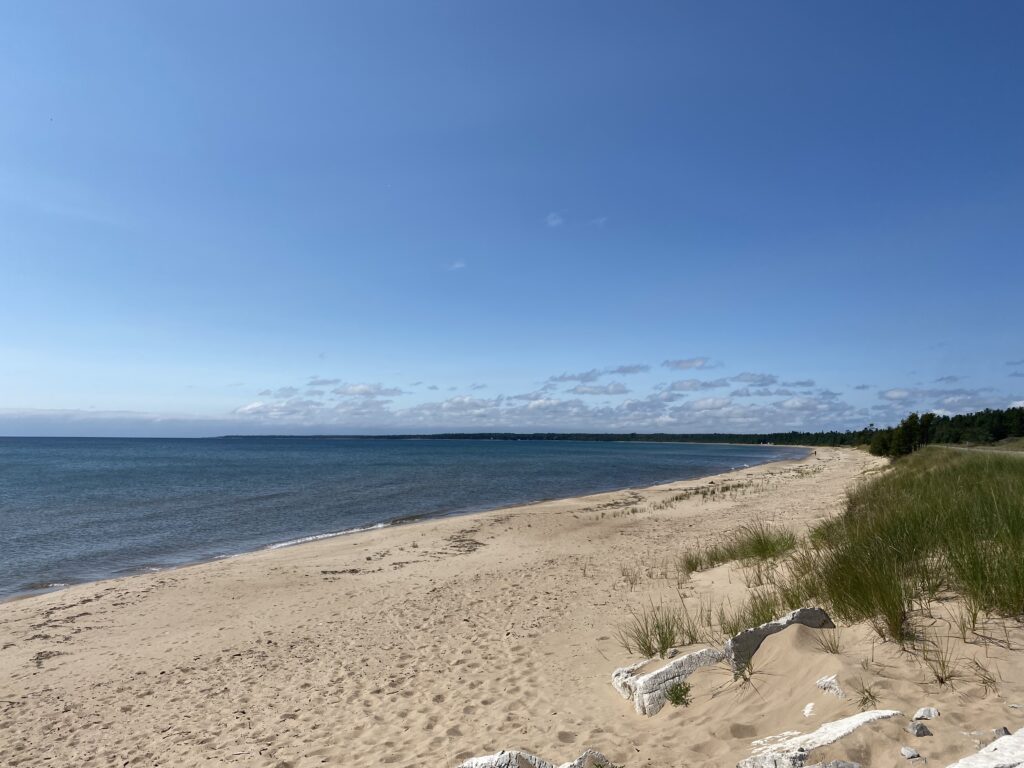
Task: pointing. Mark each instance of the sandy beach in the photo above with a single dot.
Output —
(428, 643)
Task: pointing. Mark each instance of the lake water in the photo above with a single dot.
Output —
(74, 510)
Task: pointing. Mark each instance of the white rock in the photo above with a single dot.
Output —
(809, 710)
(909, 752)
(740, 648)
(518, 759)
(830, 684)
(790, 750)
(1004, 752)
(648, 690)
(926, 713)
(510, 759)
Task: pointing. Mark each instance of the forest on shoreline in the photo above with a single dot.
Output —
(916, 430)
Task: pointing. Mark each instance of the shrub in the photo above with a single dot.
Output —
(678, 695)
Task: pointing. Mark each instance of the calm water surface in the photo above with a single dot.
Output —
(74, 510)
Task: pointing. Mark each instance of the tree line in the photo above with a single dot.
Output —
(988, 426)
(916, 430)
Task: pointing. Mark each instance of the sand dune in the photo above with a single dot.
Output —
(425, 644)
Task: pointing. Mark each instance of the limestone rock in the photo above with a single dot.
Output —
(507, 759)
(830, 684)
(917, 729)
(741, 647)
(1004, 752)
(789, 750)
(518, 759)
(926, 713)
(909, 752)
(648, 690)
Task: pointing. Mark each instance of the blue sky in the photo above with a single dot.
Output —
(478, 215)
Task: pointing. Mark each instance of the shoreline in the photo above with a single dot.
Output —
(400, 520)
(418, 644)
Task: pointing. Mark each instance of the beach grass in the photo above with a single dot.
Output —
(939, 522)
(754, 542)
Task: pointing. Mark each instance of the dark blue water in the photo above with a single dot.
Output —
(74, 510)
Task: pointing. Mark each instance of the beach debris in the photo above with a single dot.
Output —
(791, 750)
(909, 752)
(926, 713)
(916, 728)
(518, 759)
(830, 684)
(740, 648)
(648, 690)
(1004, 752)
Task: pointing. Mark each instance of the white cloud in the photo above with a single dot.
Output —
(585, 376)
(628, 369)
(366, 390)
(690, 363)
(456, 265)
(757, 379)
(554, 219)
(695, 385)
(895, 394)
(710, 403)
(612, 388)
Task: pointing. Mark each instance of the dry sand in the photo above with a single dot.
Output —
(424, 644)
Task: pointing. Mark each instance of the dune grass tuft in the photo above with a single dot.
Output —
(939, 521)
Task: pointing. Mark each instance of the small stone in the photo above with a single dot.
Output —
(671, 654)
(918, 729)
(909, 752)
(926, 713)
(830, 684)
(1004, 731)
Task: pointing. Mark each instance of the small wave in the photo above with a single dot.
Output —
(319, 536)
(40, 586)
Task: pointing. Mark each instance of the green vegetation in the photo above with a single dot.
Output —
(940, 521)
(867, 696)
(678, 695)
(984, 427)
(939, 525)
(651, 631)
(755, 541)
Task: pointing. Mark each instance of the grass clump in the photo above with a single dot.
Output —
(938, 521)
(753, 542)
(867, 695)
(829, 640)
(762, 606)
(650, 631)
(678, 695)
(759, 541)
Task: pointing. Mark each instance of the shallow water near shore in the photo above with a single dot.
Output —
(74, 510)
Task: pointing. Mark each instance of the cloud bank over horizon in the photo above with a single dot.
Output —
(593, 400)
